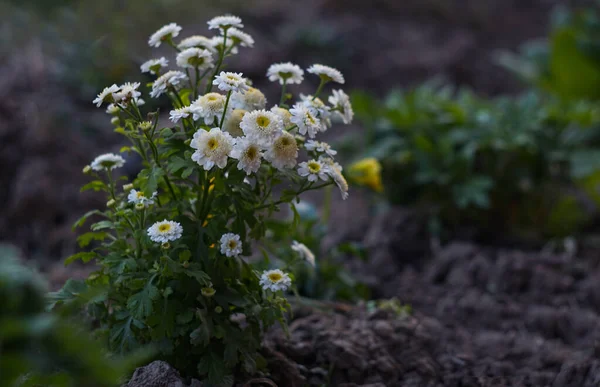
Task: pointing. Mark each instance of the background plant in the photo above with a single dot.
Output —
(170, 244)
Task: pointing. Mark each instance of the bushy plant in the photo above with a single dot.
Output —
(170, 245)
(38, 348)
(506, 164)
(297, 242)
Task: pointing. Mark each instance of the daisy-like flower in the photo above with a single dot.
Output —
(233, 121)
(341, 105)
(169, 79)
(326, 73)
(195, 57)
(334, 170)
(240, 37)
(304, 252)
(138, 197)
(262, 126)
(165, 231)
(225, 22)
(319, 146)
(313, 170)
(209, 106)
(163, 34)
(248, 153)
(178, 114)
(217, 44)
(127, 92)
(283, 152)
(197, 41)
(153, 66)
(275, 280)
(106, 95)
(227, 81)
(107, 161)
(285, 73)
(252, 99)
(284, 114)
(212, 148)
(112, 109)
(231, 245)
(306, 119)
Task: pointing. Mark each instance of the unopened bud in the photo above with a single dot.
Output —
(127, 187)
(111, 203)
(208, 292)
(139, 207)
(165, 246)
(218, 309)
(87, 169)
(145, 126)
(116, 121)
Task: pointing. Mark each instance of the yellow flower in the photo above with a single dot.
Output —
(367, 172)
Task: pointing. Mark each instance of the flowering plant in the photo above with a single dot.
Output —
(171, 242)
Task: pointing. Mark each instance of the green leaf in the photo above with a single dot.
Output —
(85, 256)
(102, 225)
(72, 290)
(187, 172)
(140, 304)
(166, 132)
(122, 337)
(176, 163)
(96, 185)
(82, 220)
(85, 239)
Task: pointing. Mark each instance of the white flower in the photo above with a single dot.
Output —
(284, 114)
(326, 73)
(275, 280)
(334, 170)
(262, 126)
(283, 152)
(225, 22)
(165, 231)
(127, 91)
(163, 34)
(209, 106)
(212, 148)
(112, 109)
(153, 66)
(341, 105)
(138, 197)
(248, 153)
(240, 37)
(313, 169)
(195, 57)
(304, 252)
(217, 44)
(106, 95)
(197, 41)
(233, 121)
(231, 245)
(231, 81)
(318, 146)
(240, 319)
(169, 79)
(306, 119)
(318, 106)
(252, 99)
(285, 73)
(107, 162)
(180, 113)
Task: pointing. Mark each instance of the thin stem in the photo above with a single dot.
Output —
(327, 204)
(309, 188)
(282, 99)
(111, 185)
(197, 82)
(319, 89)
(225, 109)
(209, 85)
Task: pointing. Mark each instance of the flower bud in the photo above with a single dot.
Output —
(145, 126)
(186, 264)
(208, 292)
(127, 187)
(111, 203)
(140, 206)
(218, 309)
(115, 121)
(87, 169)
(164, 245)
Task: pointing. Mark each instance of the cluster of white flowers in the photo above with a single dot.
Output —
(229, 124)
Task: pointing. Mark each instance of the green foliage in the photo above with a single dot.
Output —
(327, 279)
(168, 274)
(504, 164)
(41, 348)
(568, 64)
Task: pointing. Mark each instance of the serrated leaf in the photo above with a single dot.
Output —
(102, 225)
(96, 185)
(187, 172)
(85, 239)
(84, 256)
(141, 304)
(79, 222)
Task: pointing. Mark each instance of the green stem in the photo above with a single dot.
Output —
(282, 99)
(209, 85)
(319, 89)
(225, 109)
(111, 185)
(302, 190)
(327, 204)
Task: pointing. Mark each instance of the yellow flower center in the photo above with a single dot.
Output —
(310, 118)
(314, 167)
(212, 144)
(212, 98)
(232, 78)
(232, 244)
(251, 153)
(139, 195)
(263, 121)
(275, 277)
(164, 227)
